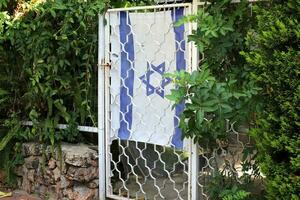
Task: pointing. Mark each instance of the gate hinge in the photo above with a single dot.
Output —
(106, 65)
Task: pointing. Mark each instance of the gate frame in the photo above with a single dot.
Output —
(104, 104)
(101, 109)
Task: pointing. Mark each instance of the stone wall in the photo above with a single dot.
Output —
(71, 173)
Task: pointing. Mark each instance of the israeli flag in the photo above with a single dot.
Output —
(145, 46)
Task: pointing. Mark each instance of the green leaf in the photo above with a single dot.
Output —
(200, 117)
(52, 12)
(58, 104)
(3, 92)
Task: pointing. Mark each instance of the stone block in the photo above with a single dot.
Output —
(82, 192)
(18, 171)
(93, 184)
(30, 175)
(73, 177)
(31, 149)
(26, 185)
(64, 182)
(78, 155)
(32, 162)
(51, 164)
(82, 174)
(56, 174)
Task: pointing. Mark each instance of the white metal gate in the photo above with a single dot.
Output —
(132, 163)
(145, 156)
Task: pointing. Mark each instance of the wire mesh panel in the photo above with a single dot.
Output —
(228, 163)
(146, 157)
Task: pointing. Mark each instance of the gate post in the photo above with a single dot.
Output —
(194, 195)
(101, 108)
(194, 147)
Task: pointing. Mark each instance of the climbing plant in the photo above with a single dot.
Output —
(221, 89)
(130, 3)
(221, 92)
(48, 63)
(48, 67)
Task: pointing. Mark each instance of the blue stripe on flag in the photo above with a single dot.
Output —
(180, 65)
(127, 76)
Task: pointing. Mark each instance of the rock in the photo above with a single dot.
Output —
(26, 185)
(93, 184)
(74, 177)
(64, 182)
(94, 163)
(56, 174)
(32, 162)
(48, 178)
(82, 174)
(31, 149)
(64, 192)
(42, 190)
(62, 166)
(78, 155)
(83, 193)
(58, 190)
(69, 193)
(18, 171)
(52, 163)
(19, 182)
(54, 193)
(30, 175)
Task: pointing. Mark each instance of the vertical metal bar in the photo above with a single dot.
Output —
(194, 165)
(194, 147)
(190, 141)
(101, 108)
(107, 107)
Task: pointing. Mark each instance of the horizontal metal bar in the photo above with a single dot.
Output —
(232, 1)
(170, 6)
(149, 7)
(118, 197)
(250, 1)
(88, 129)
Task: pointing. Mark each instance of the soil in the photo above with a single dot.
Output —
(20, 195)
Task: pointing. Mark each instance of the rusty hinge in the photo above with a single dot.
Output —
(106, 65)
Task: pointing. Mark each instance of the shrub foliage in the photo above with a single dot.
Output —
(48, 63)
(48, 68)
(275, 64)
(221, 92)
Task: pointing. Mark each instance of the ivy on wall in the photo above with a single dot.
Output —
(48, 63)
(48, 68)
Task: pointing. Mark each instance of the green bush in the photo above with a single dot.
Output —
(48, 65)
(275, 62)
(220, 92)
(221, 89)
(48, 68)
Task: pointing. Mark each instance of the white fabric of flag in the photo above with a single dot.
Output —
(145, 46)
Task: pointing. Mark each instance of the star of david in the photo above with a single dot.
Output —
(146, 79)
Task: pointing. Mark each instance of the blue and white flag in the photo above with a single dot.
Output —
(145, 46)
